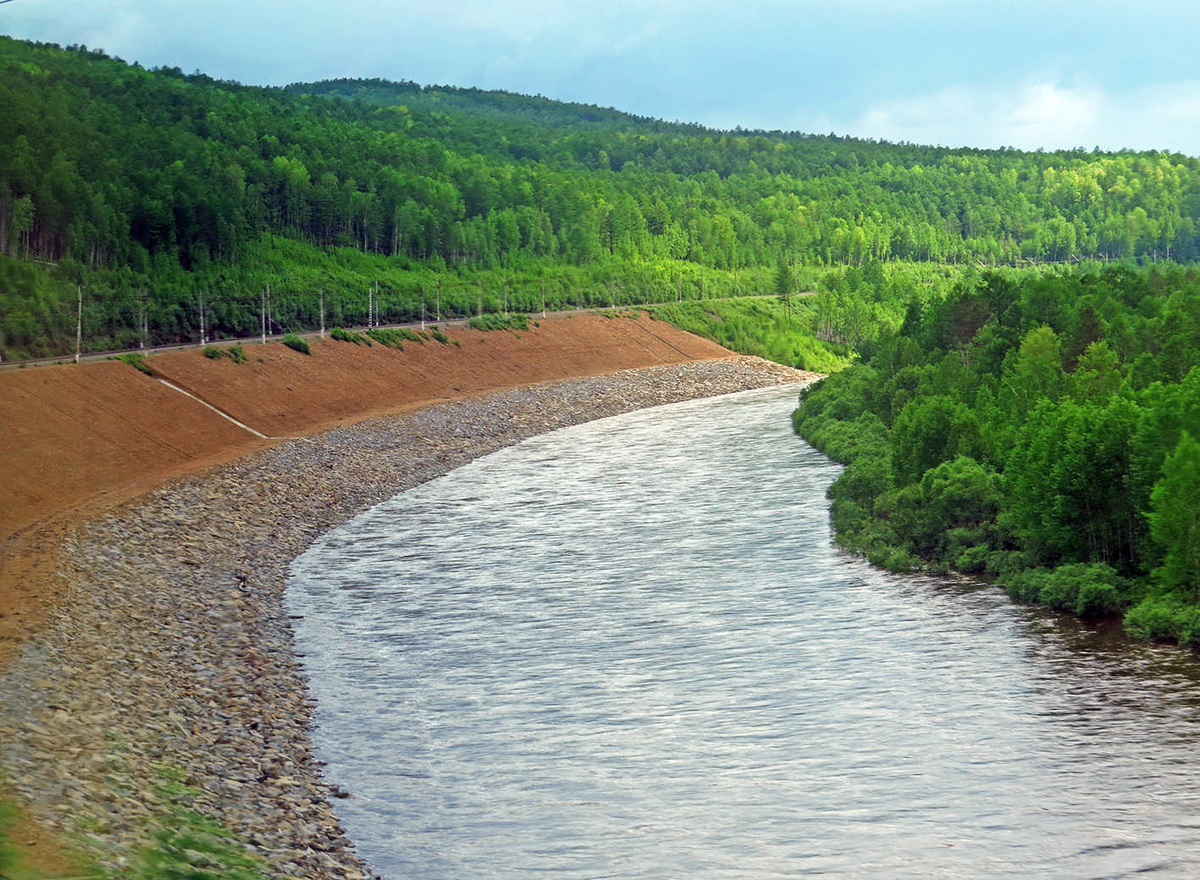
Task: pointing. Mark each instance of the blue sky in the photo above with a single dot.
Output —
(928, 71)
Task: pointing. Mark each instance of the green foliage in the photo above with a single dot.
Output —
(497, 321)
(437, 334)
(188, 845)
(296, 343)
(1088, 590)
(234, 352)
(1008, 428)
(1174, 518)
(1166, 618)
(389, 337)
(159, 192)
(137, 361)
(765, 327)
(342, 335)
(8, 852)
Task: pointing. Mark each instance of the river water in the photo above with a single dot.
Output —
(631, 649)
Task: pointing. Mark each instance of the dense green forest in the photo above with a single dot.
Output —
(1042, 429)
(172, 203)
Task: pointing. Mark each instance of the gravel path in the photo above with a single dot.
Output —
(175, 649)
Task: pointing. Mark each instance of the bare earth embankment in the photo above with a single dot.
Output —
(158, 635)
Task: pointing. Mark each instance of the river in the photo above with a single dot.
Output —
(631, 649)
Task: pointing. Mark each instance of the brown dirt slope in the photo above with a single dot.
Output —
(292, 393)
(104, 431)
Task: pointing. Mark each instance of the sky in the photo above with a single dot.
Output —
(985, 74)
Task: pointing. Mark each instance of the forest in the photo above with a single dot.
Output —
(1017, 333)
(1040, 429)
(161, 206)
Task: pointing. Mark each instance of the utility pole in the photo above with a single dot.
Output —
(543, 297)
(262, 313)
(504, 283)
(422, 308)
(438, 290)
(79, 323)
(479, 310)
(322, 295)
(142, 320)
(203, 336)
(370, 303)
(612, 293)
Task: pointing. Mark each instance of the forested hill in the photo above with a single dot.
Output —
(160, 192)
(495, 105)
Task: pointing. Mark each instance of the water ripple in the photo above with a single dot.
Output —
(630, 649)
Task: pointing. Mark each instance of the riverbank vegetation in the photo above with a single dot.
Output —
(1039, 429)
(162, 207)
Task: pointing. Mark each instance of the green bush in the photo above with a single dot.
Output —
(496, 321)
(137, 361)
(1163, 618)
(900, 561)
(349, 336)
(296, 343)
(1086, 589)
(388, 337)
(973, 559)
(437, 334)
(234, 353)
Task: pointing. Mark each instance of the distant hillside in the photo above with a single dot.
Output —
(491, 104)
(174, 200)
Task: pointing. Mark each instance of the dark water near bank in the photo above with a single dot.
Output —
(630, 649)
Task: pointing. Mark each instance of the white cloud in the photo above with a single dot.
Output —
(1040, 113)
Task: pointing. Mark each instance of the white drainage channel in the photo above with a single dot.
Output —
(217, 411)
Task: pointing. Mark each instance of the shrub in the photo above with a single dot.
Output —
(234, 353)
(349, 336)
(973, 559)
(439, 335)
(496, 321)
(1089, 590)
(137, 361)
(900, 560)
(389, 337)
(1162, 618)
(296, 343)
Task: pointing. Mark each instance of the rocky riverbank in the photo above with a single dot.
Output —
(174, 650)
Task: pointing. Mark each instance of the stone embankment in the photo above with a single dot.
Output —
(174, 647)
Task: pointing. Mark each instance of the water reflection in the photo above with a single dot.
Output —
(631, 649)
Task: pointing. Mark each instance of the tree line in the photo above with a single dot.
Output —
(1043, 430)
(108, 168)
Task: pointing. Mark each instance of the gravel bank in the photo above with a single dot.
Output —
(175, 649)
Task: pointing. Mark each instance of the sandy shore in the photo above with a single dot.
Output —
(174, 647)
